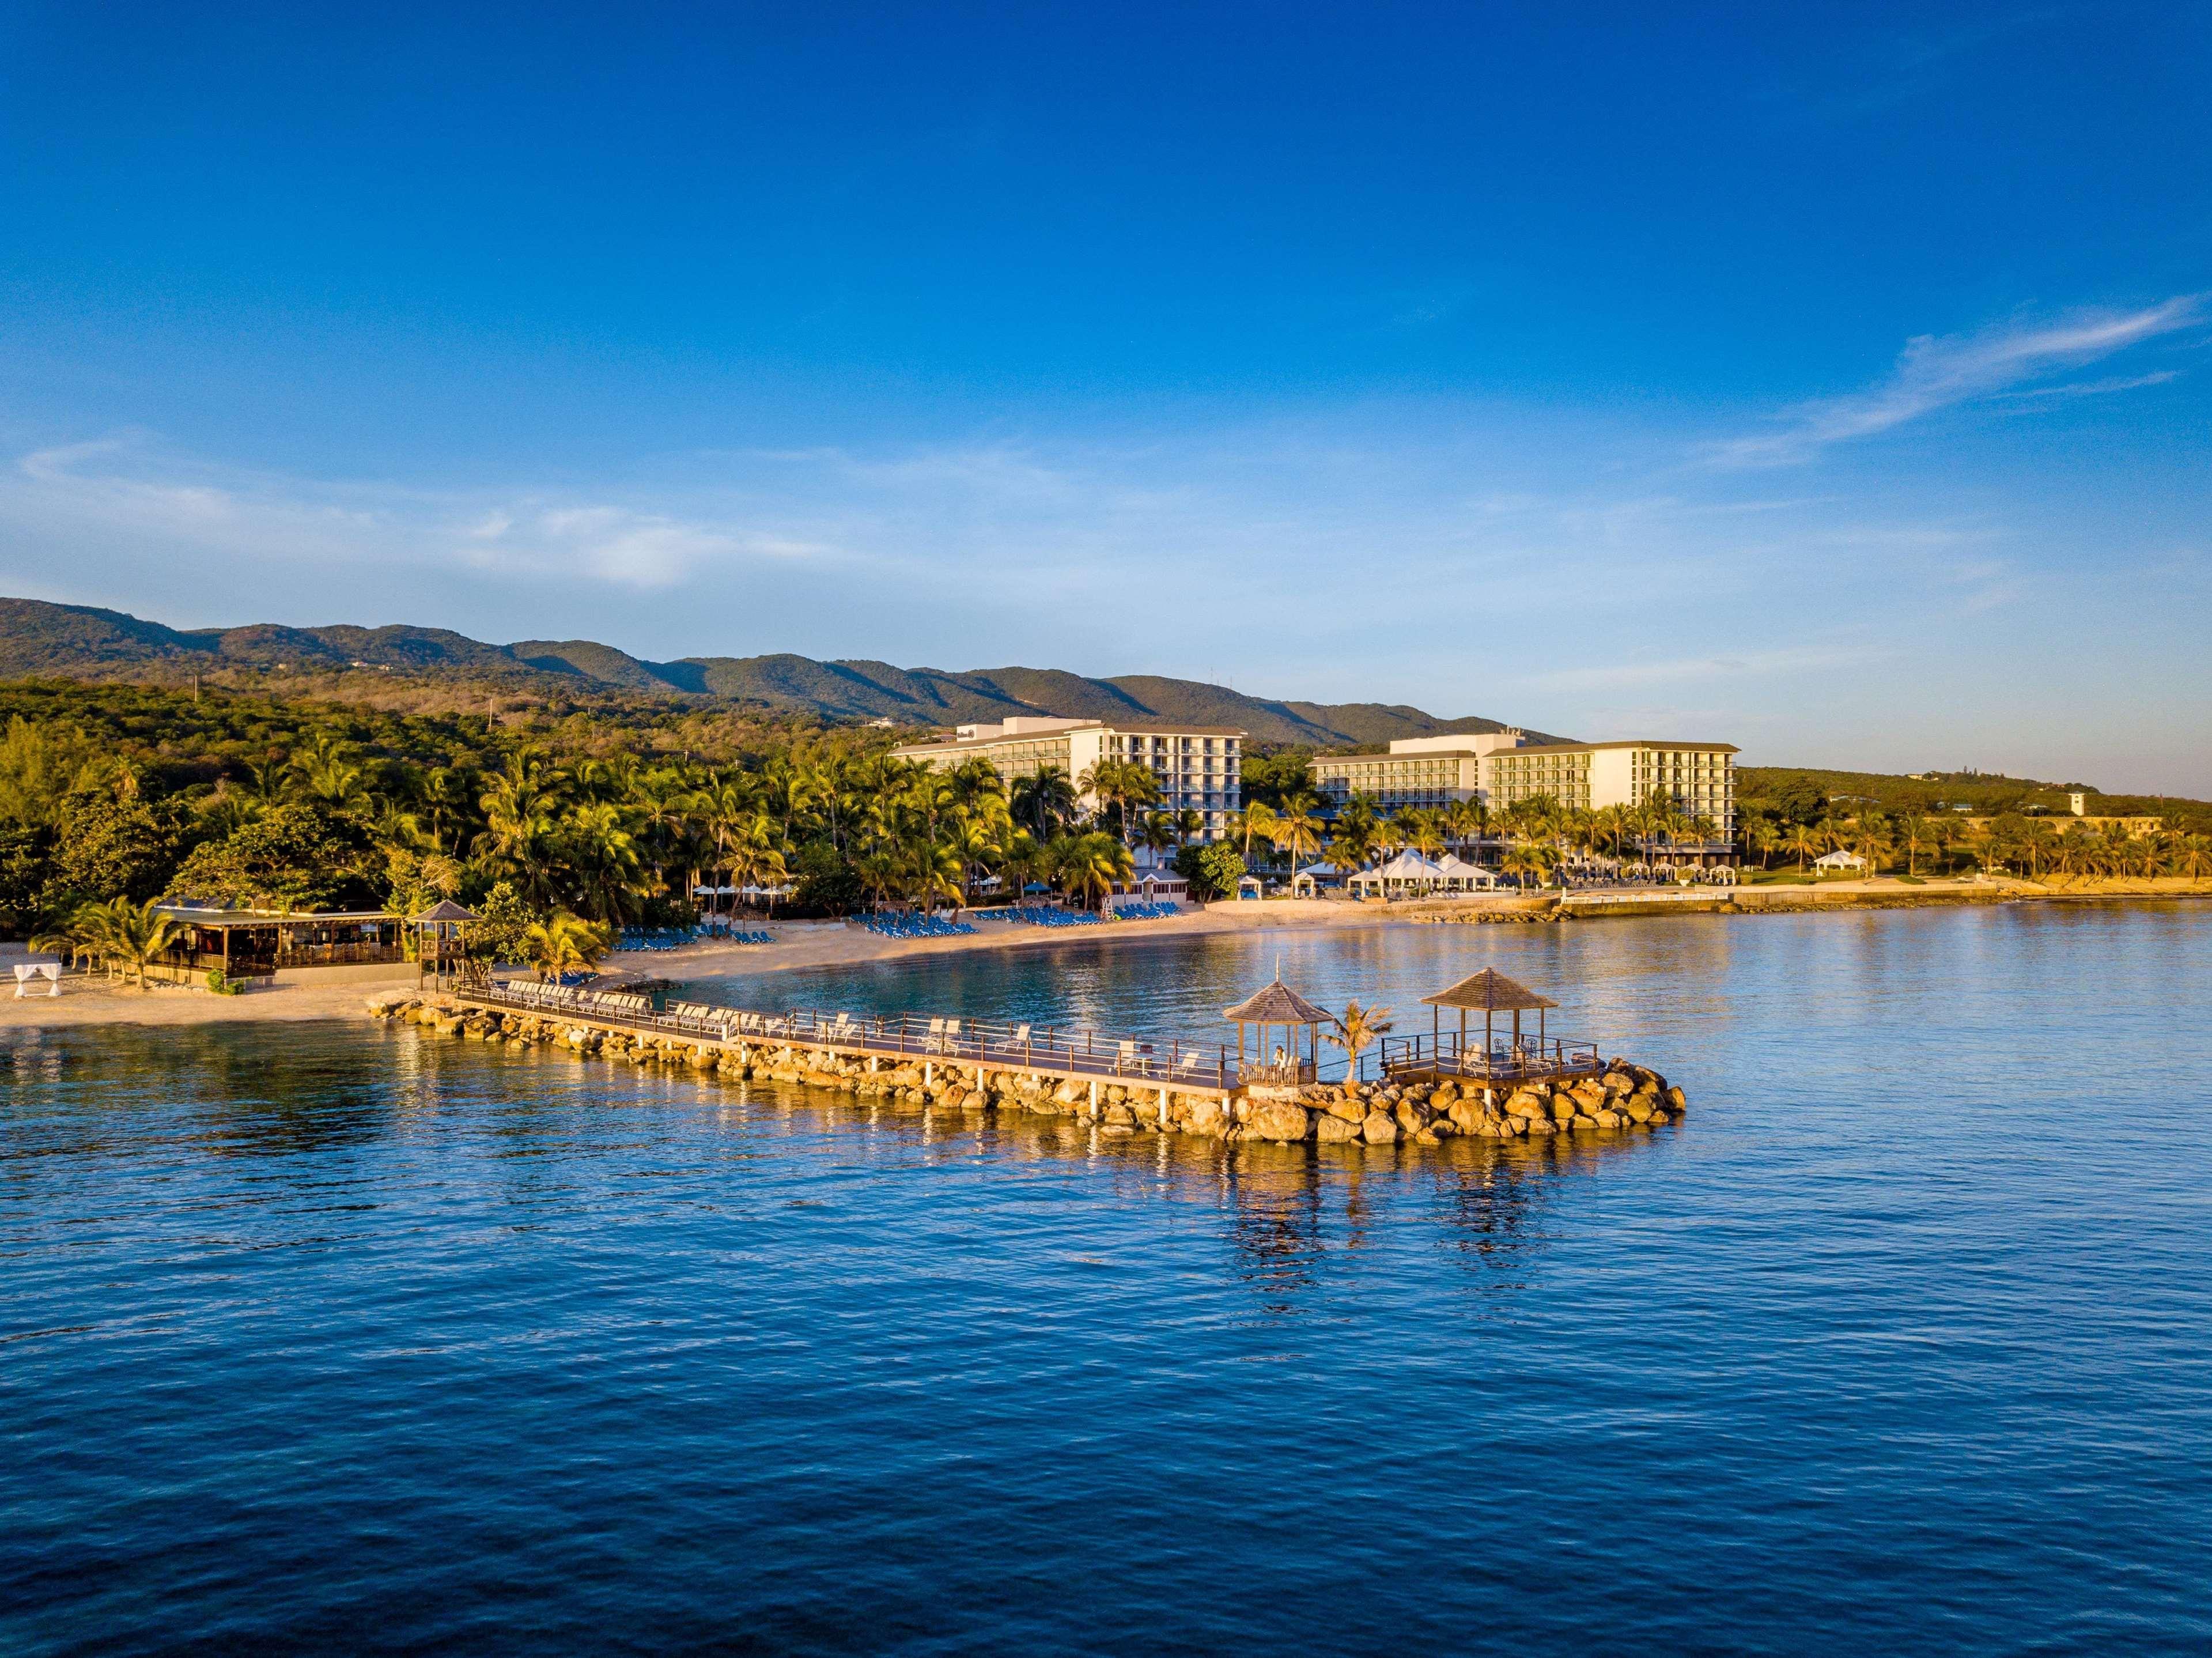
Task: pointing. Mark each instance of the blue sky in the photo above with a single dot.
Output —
(1828, 380)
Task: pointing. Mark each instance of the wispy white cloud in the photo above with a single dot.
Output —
(1938, 372)
(126, 486)
(2091, 388)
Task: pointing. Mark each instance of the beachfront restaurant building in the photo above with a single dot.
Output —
(263, 943)
(1197, 768)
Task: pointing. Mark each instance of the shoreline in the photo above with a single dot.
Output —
(90, 1002)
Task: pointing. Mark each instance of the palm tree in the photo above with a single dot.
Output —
(1869, 837)
(752, 859)
(1530, 857)
(977, 843)
(1419, 830)
(1804, 839)
(1022, 859)
(1257, 819)
(564, 943)
(329, 769)
(602, 854)
(122, 932)
(1044, 800)
(2191, 856)
(1296, 833)
(519, 808)
(1089, 864)
(1357, 1029)
(932, 869)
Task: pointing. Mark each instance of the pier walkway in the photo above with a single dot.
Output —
(1053, 1051)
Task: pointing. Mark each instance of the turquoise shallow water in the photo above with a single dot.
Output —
(342, 1336)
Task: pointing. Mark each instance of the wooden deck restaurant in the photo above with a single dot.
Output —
(260, 943)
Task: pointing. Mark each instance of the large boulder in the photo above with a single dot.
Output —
(1279, 1119)
(1467, 1115)
(1380, 1128)
(1332, 1130)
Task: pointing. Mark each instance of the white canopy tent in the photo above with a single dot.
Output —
(1409, 872)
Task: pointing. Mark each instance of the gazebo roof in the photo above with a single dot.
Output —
(446, 910)
(1489, 991)
(1278, 1004)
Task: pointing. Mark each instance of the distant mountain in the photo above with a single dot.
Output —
(79, 641)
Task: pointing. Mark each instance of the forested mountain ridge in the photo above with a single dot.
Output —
(81, 642)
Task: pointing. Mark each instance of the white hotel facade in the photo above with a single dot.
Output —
(1197, 768)
(1497, 768)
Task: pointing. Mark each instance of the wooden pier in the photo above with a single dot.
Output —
(1050, 1052)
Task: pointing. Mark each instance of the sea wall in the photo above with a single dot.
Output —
(1628, 1097)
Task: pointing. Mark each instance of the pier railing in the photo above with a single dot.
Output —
(1532, 1059)
(1077, 1051)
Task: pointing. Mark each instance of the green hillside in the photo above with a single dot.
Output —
(79, 641)
(1983, 794)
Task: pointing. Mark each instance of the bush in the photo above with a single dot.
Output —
(1213, 869)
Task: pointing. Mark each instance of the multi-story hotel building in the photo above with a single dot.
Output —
(1197, 768)
(1496, 769)
(1418, 771)
(1697, 778)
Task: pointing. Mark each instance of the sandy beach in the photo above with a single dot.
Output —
(94, 1000)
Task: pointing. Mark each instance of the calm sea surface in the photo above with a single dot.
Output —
(348, 1337)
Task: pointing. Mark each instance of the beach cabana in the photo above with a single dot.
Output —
(1314, 877)
(1279, 1004)
(1489, 993)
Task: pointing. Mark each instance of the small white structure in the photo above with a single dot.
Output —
(1838, 862)
(26, 972)
(1309, 881)
(1154, 885)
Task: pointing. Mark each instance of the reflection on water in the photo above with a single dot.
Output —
(345, 1336)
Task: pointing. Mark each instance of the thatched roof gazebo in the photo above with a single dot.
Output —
(1279, 1004)
(437, 939)
(1493, 993)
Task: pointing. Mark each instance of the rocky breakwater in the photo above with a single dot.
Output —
(1627, 1097)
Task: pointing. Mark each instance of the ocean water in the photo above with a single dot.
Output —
(347, 1337)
